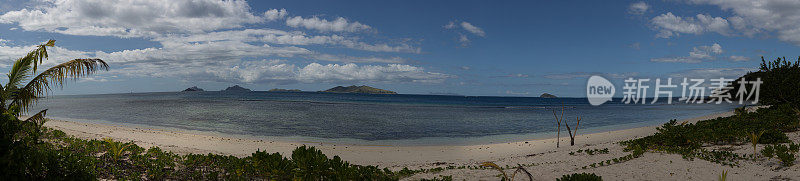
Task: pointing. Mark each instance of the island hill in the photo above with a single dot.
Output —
(237, 88)
(359, 89)
(338, 89)
(546, 95)
(192, 89)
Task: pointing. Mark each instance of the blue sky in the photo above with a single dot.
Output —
(521, 48)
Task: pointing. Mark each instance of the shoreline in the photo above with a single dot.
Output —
(199, 142)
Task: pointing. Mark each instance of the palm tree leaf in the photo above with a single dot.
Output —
(40, 85)
(38, 118)
(22, 69)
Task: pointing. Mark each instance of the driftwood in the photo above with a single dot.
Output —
(558, 122)
(572, 134)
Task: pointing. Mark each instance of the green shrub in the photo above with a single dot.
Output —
(311, 163)
(580, 177)
(786, 154)
(272, 166)
(689, 139)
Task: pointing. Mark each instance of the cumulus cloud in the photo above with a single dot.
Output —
(281, 73)
(352, 59)
(638, 8)
(697, 55)
(670, 25)
(289, 38)
(340, 24)
(227, 61)
(149, 18)
(776, 18)
(275, 14)
(210, 40)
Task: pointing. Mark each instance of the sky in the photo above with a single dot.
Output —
(482, 48)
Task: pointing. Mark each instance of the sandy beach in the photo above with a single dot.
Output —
(550, 162)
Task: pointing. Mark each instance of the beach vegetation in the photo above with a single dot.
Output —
(690, 139)
(29, 151)
(115, 148)
(779, 85)
(590, 151)
(785, 153)
(754, 140)
(580, 177)
(723, 176)
(520, 169)
(24, 155)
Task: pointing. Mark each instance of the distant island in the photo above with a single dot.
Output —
(546, 95)
(284, 90)
(237, 88)
(359, 89)
(192, 89)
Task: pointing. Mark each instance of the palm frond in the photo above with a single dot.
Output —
(496, 167)
(24, 66)
(38, 118)
(40, 85)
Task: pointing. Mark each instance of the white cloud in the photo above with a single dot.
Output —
(472, 29)
(463, 40)
(351, 59)
(227, 61)
(670, 25)
(697, 55)
(705, 52)
(289, 38)
(450, 25)
(149, 18)
(466, 28)
(281, 73)
(638, 8)
(275, 14)
(516, 93)
(206, 40)
(776, 18)
(709, 73)
(573, 75)
(314, 23)
(736, 58)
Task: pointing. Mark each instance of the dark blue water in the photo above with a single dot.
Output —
(358, 116)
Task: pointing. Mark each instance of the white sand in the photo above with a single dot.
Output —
(551, 162)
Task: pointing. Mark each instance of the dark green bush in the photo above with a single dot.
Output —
(785, 153)
(688, 139)
(23, 156)
(580, 177)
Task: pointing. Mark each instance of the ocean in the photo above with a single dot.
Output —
(375, 119)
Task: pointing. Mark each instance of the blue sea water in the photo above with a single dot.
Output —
(363, 118)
